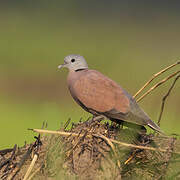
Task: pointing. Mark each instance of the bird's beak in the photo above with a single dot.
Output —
(61, 66)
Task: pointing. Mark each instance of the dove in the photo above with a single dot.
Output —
(101, 96)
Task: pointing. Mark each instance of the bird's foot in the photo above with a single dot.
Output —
(98, 118)
(95, 119)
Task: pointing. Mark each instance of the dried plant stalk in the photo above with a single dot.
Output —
(110, 144)
(31, 167)
(112, 140)
(158, 84)
(154, 76)
(34, 173)
(165, 97)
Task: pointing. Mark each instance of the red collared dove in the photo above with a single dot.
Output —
(99, 95)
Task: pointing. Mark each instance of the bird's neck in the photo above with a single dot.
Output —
(81, 69)
(74, 75)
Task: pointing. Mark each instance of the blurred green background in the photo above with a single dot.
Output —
(126, 40)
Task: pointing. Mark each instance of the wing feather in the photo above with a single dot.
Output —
(98, 92)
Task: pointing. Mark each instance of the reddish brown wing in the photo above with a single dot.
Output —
(100, 93)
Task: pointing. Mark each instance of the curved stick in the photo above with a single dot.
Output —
(154, 76)
(164, 99)
(158, 84)
(31, 167)
(112, 140)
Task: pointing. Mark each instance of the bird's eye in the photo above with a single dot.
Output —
(72, 60)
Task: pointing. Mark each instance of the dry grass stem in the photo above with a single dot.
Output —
(31, 167)
(154, 76)
(34, 173)
(140, 147)
(158, 84)
(107, 140)
(129, 159)
(54, 132)
(112, 140)
(165, 97)
(110, 144)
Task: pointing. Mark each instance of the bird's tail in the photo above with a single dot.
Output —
(155, 127)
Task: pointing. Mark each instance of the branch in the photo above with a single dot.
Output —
(34, 173)
(154, 76)
(158, 84)
(165, 97)
(31, 167)
(96, 135)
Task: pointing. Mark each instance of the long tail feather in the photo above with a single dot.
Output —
(155, 127)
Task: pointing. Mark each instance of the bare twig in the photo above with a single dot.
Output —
(67, 123)
(107, 140)
(110, 144)
(54, 132)
(154, 76)
(165, 97)
(31, 167)
(112, 140)
(22, 161)
(34, 173)
(140, 147)
(130, 158)
(36, 144)
(80, 140)
(5, 151)
(158, 84)
(11, 158)
(8, 161)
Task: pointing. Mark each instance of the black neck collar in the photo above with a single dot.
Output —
(79, 70)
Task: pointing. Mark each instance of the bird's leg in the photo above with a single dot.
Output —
(95, 118)
(98, 118)
(117, 122)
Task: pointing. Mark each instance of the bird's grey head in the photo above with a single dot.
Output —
(74, 62)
